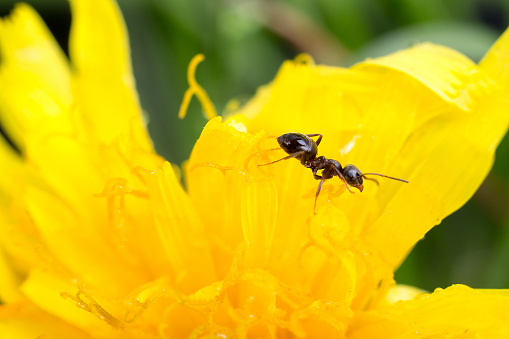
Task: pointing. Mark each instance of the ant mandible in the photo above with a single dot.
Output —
(303, 148)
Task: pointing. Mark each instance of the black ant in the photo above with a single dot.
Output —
(303, 148)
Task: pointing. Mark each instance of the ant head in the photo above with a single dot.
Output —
(353, 177)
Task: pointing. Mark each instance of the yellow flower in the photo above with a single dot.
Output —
(99, 240)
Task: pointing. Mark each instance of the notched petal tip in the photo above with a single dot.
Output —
(495, 61)
(446, 72)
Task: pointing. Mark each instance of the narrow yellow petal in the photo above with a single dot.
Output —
(11, 172)
(180, 231)
(34, 72)
(259, 221)
(104, 85)
(99, 39)
(9, 281)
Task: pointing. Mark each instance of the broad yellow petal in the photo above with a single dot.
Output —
(427, 112)
(446, 156)
(26, 321)
(455, 312)
(449, 74)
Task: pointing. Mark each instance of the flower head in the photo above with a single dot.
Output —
(100, 240)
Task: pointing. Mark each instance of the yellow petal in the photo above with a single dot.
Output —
(69, 237)
(104, 85)
(447, 158)
(25, 321)
(9, 281)
(258, 221)
(180, 231)
(12, 171)
(427, 112)
(402, 292)
(33, 72)
(496, 59)
(446, 72)
(65, 300)
(456, 312)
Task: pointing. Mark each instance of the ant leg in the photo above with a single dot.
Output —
(343, 178)
(315, 135)
(318, 191)
(294, 155)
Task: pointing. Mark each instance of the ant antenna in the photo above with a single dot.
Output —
(385, 176)
(371, 179)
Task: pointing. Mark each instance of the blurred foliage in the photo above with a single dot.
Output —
(245, 42)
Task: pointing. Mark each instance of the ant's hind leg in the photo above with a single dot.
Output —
(315, 135)
(294, 155)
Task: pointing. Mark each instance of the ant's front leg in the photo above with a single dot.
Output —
(294, 155)
(315, 171)
(317, 177)
(340, 175)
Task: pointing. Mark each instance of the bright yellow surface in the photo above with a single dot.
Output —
(99, 239)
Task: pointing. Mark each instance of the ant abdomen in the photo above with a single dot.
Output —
(301, 144)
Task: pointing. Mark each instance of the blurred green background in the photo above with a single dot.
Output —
(245, 42)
